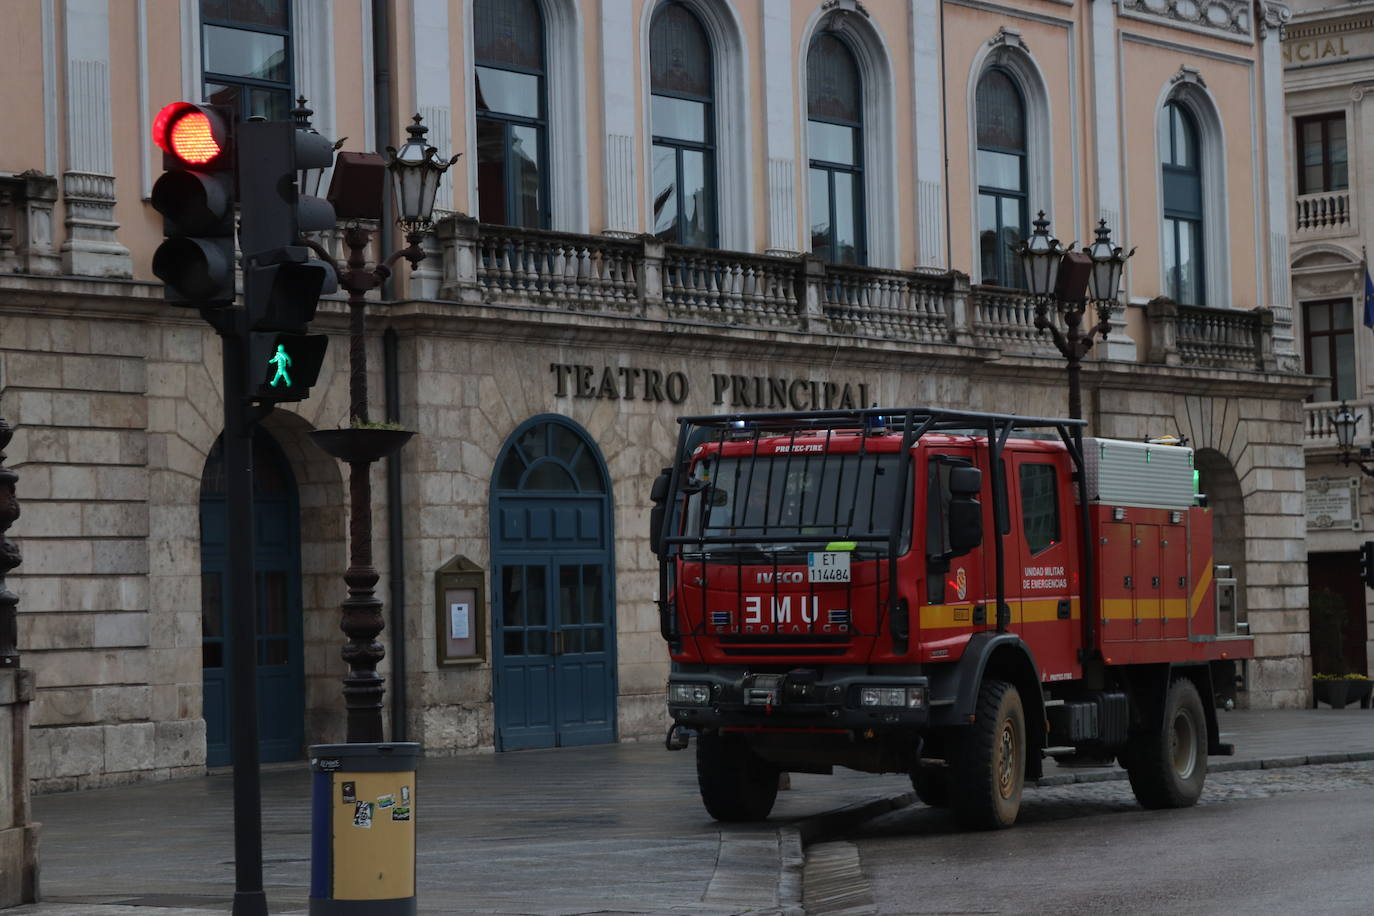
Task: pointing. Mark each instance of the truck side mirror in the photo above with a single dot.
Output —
(965, 524)
(965, 481)
(658, 494)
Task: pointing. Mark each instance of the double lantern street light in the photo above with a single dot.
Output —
(1069, 279)
(356, 193)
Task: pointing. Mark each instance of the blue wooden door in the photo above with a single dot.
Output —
(276, 554)
(553, 613)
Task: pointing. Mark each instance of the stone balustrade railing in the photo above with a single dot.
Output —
(643, 277)
(1325, 212)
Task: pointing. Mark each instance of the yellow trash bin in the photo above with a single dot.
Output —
(362, 855)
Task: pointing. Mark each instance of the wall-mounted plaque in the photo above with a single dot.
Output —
(1333, 504)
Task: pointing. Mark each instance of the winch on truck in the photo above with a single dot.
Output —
(949, 594)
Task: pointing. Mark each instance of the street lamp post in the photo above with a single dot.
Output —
(1344, 423)
(415, 172)
(1069, 279)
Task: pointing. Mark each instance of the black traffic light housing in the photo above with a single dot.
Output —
(274, 212)
(195, 196)
(282, 284)
(1367, 563)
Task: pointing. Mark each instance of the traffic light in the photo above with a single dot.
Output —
(1367, 563)
(195, 196)
(283, 366)
(274, 212)
(282, 284)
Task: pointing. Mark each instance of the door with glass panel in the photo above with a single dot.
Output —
(276, 555)
(554, 622)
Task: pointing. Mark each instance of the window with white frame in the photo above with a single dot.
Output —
(246, 56)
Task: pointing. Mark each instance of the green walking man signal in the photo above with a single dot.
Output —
(285, 366)
(281, 360)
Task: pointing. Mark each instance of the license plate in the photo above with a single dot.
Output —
(827, 566)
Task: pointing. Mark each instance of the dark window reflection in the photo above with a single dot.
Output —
(682, 113)
(1002, 208)
(834, 136)
(246, 56)
(512, 121)
(1183, 216)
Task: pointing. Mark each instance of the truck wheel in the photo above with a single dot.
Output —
(736, 784)
(931, 785)
(990, 760)
(1168, 767)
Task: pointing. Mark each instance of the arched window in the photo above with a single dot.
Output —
(246, 46)
(834, 137)
(1002, 209)
(1180, 156)
(683, 117)
(512, 113)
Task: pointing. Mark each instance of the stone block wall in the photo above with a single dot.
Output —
(18, 833)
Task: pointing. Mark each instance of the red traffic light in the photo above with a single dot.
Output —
(192, 133)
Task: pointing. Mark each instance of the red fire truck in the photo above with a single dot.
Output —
(948, 594)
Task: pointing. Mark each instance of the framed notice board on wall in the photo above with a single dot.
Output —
(460, 608)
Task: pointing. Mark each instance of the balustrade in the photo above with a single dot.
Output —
(644, 278)
(1327, 212)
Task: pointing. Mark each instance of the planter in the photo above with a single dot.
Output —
(1340, 693)
(361, 444)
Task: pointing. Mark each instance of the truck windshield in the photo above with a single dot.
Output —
(761, 501)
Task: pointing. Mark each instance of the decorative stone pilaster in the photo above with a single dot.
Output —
(91, 249)
(88, 186)
(9, 557)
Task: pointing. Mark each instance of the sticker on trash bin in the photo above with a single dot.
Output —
(350, 792)
(405, 796)
(385, 801)
(362, 815)
(400, 813)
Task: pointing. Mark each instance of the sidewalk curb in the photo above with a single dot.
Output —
(793, 839)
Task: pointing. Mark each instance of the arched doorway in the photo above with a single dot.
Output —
(277, 560)
(1217, 479)
(553, 658)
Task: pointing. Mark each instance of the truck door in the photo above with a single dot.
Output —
(1173, 553)
(956, 598)
(1148, 586)
(1045, 556)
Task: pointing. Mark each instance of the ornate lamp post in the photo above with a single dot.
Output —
(1069, 279)
(1344, 423)
(415, 172)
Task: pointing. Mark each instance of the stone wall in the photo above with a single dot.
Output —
(18, 833)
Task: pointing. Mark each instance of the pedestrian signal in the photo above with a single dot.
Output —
(284, 366)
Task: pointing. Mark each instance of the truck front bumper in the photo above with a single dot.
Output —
(804, 699)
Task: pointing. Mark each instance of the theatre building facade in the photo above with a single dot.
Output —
(663, 208)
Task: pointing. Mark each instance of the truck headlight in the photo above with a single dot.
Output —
(689, 694)
(909, 697)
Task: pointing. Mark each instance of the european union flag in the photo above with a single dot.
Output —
(1368, 299)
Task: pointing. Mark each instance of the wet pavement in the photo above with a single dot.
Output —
(607, 829)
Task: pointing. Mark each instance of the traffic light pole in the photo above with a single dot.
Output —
(249, 897)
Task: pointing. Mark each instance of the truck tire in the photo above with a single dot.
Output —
(1168, 767)
(736, 784)
(989, 760)
(931, 785)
